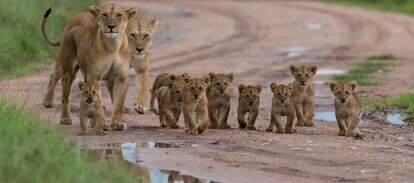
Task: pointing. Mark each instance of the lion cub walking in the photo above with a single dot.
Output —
(91, 107)
(303, 95)
(218, 94)
(282, 106)
(195, 105)
(347, 107)
(249, 100)
(169, 103)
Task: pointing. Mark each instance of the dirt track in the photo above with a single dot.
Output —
(258, 41)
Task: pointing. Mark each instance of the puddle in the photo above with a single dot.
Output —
(289, 52)
(395, 118)
(319, 82)
(313, 26)
(325, 116)
(126, 154)
(322, 95)
(328, 71)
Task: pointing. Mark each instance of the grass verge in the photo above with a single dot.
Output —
(22, 47)
(363, 72)
(32, 151)
(403, 6)
(405, 101)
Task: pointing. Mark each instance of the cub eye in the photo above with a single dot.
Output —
(86, 91)
(307, 75)
(200, 88)
(298, 75)
(93, 91)
(226, 84)
(146, 36)
(338, 92)
(279, 93)
(217, 83)
(192, 88)
(246, 96)
(286, 94)
(254, 95)
(347, 92)
(133, 36)
(119, 15)
(105, 15)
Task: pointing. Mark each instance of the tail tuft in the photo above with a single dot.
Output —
(47, 13)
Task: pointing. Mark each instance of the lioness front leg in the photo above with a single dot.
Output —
(225, 115)
(67, 81)
(309, 114)
(120, 88)
(54, 79)
(141, 79)
(299, 114)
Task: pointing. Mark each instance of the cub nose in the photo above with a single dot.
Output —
(139, 50)
(251, 103)
(282, 101)
(111, 27)
(303, 82)
(343, 100)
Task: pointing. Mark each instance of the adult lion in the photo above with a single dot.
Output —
(95, 43)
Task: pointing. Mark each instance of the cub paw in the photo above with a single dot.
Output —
(92, 123)
(269, 130)
(100, 133)
(66, 121)
(348, 133)
(309, 123)
(224, 126)
(213, 126)
(126, 110)
(341, 133)
(175, 126)
(242, 125)
(281, 130)
(192, 132)
(105, 126)
(163, 125)
(119, 127)
(251, 128)
(300, 123)
(140, 110)
(290, 130)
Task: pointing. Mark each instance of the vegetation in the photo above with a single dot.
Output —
(405, 101)
(22, 48)
(404, 6)
(363, 72)
(32, 151)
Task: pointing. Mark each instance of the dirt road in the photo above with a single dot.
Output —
(258, 40)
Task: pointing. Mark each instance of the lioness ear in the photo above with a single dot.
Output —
(206, 79)
(293, 68)
(332, 85)
(153, 23)
(273, 87)
(131, 12)
(173, 77)
(313, 69)
(353, 85)
(258, 87)
(81, 84)
(94, 10)
(290, 87)
(241, 88)
(212, 75)
(230, 76)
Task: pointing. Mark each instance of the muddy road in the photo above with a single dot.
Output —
(257, 41)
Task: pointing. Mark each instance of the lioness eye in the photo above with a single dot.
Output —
(146, 36)
(105, 15)
(118, 15)
(286, 94)
(339, 92)
(132, 35)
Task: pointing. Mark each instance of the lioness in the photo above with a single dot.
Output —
(347, 107)
(218, 95)
(303, 95)
(100, 50)
(282, 106)
(163, 80)
(249, 100)
(91, 107)
(195, 105)
(169, 103)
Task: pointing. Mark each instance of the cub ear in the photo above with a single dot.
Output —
(173, 77)
(94, 10)
(313, 69)
(290, 87)
(332, 85)
(153, 23)
(185, 75)
(170, 84)
(131, 12)
(241, 88)
(352, 84)
(211, 75)
(273, 87)
(206, 79)
(81, 84)
(230, 76)
(258, 87)
(293, 68)
(97, 84)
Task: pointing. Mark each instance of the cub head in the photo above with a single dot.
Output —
(140, 36)
(197, 87)
(89, 91)
(179, 78)
(112, 19)
(176, 90)
(220, 83)
(303, 75)
(249, 95)
(281, 93)
(342, 91)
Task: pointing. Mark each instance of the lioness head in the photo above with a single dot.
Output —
(249, 95)
(176, 90)
(220, 83)
(89, 91)
(140, 36)
(281, 93)
(112, 19)
(342, 91)
(197, 87)
(303, 74)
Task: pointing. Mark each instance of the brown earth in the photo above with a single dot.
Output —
(258, 40)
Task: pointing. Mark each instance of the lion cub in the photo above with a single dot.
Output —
(347, 107)
(91, 107)
(169, 103)
(218, 94)
(195, 105)
(163, 80)
(303, 95)
(249, 100)
(282, 106)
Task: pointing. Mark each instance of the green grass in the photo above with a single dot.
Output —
(405, 101)
(403, 6)
(32, 151)
(22, 47)
(363, 72)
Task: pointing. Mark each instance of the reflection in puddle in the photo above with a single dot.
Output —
(325, 116)
(126, 154)
(327, 71)
(395, 119)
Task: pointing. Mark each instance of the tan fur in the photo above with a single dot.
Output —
(249, 100)
(100, 51)
(218, 95)
(91, 107)
(163, 80)
(303, 95)
(195, 105)
(169, 103)
(348, 107)
(282, 106)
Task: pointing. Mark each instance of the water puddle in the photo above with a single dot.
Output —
(395, 118)
(328, 71)
(126, 154)
(319, 82)
(322, 95)
(313, 26)
(325, 116)
(293, 52)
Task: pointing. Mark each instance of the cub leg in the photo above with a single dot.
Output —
(224, 116)
(170, 119)
(241, 119)
(252, 120)
(309, 114)
(212, 112)
(341, 125)
(162, 117)
(299, 114)
(289, 123)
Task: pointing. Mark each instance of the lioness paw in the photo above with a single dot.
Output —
(213, 126)
(290, 130)
(140, 110)
(269, 130)
(175, 126)
(82, 133)
(66, 121)
(301, 123)
(192, 132)
(126, 110)
(280, 130)
(309, 123)
(119, 126)
(341, 133)
(225, 126)
(100, 133)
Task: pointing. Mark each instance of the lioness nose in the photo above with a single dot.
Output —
(139, 50)
(111, 26)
